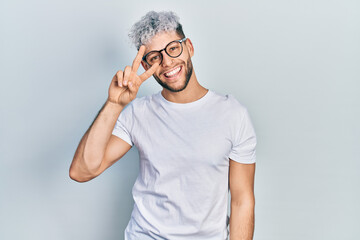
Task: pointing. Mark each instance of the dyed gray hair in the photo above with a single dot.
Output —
(151, 24)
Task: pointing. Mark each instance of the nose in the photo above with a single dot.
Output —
(166, 61)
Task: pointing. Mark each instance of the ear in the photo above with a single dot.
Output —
(190, 47)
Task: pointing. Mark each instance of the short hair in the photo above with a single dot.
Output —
(153, 23)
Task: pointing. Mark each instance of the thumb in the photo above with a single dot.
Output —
(133, 87)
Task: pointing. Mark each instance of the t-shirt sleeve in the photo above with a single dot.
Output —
(244, 141)
(124, 124)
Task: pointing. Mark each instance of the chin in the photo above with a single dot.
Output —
(173, 87)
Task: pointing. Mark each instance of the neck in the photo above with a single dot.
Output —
(191, 93)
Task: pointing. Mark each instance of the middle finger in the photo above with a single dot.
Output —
(138, 58)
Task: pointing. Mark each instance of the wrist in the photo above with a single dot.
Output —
(110, 101)
(114, 105)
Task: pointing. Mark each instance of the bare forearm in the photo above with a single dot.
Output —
(91, 149)
(242, 221)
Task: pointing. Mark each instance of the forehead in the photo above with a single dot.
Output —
(160, 40)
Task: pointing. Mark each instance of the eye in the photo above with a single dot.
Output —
(154, 58)
(173, 48)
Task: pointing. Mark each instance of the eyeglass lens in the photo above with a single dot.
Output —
(173, 49)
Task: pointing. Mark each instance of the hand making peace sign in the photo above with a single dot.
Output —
(125, 84)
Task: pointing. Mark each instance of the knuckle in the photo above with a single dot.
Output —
(119, 76)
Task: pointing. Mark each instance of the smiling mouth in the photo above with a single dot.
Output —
(173, 73)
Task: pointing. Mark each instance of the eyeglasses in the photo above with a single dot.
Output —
(173, 49)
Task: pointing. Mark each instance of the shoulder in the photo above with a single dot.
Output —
(229, 102)
(148, 99)
(141, 105)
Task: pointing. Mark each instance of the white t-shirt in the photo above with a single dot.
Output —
(182, 188)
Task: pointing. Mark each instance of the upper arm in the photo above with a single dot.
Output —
(115, 150)
(241, 181)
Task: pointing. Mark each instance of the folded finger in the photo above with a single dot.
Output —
(118, 78)
(127, 73)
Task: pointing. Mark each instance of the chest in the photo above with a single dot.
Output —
(184, 139)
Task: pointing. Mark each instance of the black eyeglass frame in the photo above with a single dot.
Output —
(164, 49)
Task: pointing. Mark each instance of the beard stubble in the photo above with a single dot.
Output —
(189, 70)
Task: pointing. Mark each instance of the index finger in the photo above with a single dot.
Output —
(138, 58)
(149, 72)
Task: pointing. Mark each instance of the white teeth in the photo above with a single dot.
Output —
(173, 72)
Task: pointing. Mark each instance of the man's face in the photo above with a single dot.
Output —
(173, 74)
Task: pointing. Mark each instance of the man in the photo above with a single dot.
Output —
(194, 144)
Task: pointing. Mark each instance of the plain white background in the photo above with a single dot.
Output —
(294, 64)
